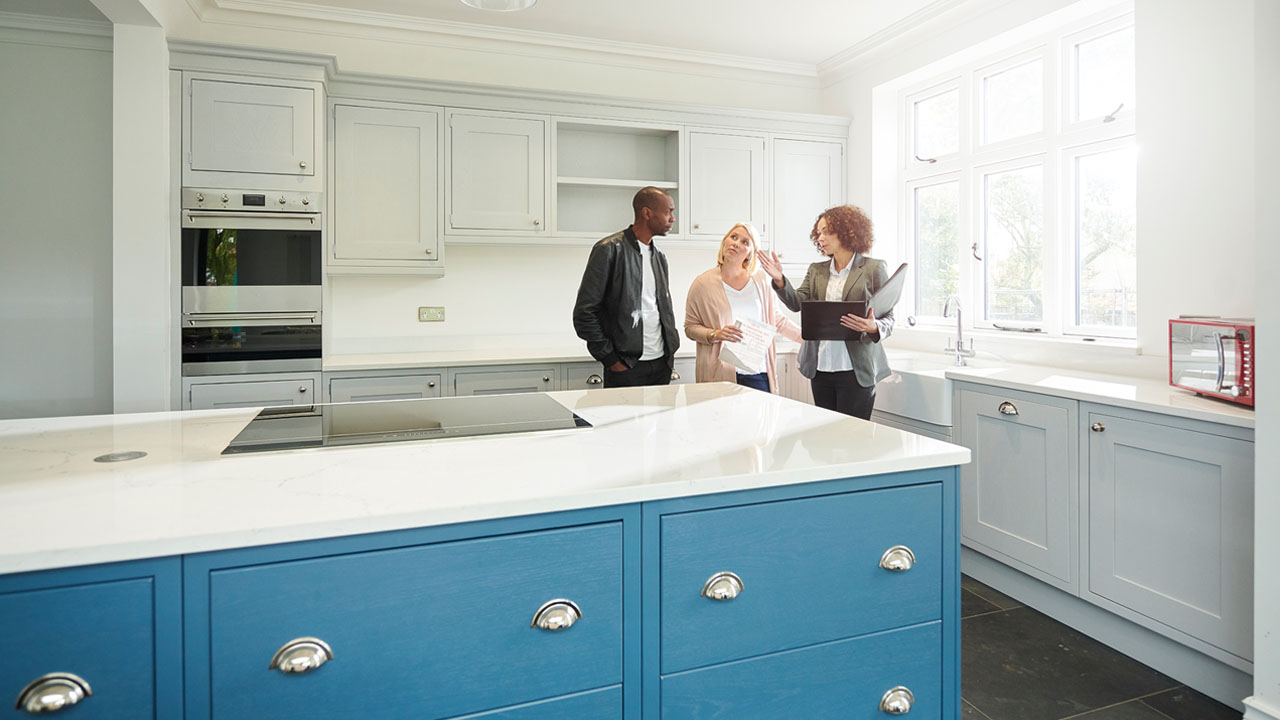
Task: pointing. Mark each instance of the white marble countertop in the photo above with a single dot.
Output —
(59, 508)
(1149, 394)
(462, 351)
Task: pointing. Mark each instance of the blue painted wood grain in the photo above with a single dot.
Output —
(602, 704)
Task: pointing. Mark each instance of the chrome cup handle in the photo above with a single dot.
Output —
(898, 558)
(897, 701)
(52, 692)
(722, 586)
(301, 655)
(1008, 408)
(556, 615)
(594, 379)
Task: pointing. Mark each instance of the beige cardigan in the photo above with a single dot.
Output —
(707, 308)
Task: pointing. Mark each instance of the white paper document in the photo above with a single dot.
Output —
(751, 352)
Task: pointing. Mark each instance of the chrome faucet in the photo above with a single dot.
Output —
(959, 349)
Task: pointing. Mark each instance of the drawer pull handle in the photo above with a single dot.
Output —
(52, 692)
(897, 701)
(556, 615)
(301, 655)
(675, 375)
(594, 379)
(1007, 408)
(898, 558)
(722, 586)
(1097, 427)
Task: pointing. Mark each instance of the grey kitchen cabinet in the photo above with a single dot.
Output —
(245, 132)
(726, 183)
(387, 182)
(582, 376)
(503, 379)
(684, 371)
(1170, 523)
(497, 173)
(264, 390)
(1019, 494)
(808, 177)
(388, 387)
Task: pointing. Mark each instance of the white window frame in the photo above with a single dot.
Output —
(1055, 147)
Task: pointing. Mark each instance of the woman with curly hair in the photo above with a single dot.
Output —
(843, 373)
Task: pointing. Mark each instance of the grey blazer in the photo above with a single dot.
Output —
(867, 275)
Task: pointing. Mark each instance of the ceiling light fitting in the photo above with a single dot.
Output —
(500, 5)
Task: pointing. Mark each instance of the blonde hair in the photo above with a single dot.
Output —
(750, 263)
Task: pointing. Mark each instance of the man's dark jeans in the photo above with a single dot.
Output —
(645, 372)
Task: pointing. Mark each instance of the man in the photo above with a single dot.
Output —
(624, 304)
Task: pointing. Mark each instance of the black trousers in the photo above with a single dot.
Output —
(841, 392)
(645, 372)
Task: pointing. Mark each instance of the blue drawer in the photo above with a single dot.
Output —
(102, 632)
(810, 571)
(432, 631)
(844, 679)
(602, 704)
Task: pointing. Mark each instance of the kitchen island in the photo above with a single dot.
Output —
(701, 550)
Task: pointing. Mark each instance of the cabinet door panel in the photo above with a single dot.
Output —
(242, 127)
(808, 177)
(406, 387)
(1018, 493)
(726, 174)
(385, 184)
(1171, 527)
(498, 382)
(497, 177)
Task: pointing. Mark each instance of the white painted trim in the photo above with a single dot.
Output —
(1257, 709)
(469, 36)
(24, 29)
(100, 28)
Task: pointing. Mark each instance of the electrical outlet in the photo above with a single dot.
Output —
(430, 314)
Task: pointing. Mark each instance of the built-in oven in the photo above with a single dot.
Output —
(251, 281)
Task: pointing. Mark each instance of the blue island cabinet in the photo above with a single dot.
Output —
(837, 598)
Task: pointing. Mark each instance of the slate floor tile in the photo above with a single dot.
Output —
(969, 712)
(988, 593)
(1023, 665)
(971, 604)
(1186, 704)
(1132, 710)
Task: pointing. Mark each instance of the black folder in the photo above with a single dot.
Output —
(820, 320)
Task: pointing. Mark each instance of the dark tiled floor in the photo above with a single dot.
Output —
(1021, 665)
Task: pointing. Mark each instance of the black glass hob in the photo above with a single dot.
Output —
(401, 420)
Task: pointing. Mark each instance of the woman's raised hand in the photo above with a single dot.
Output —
(771, 265)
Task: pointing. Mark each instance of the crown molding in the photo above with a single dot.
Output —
(303, 16)
(55, 32)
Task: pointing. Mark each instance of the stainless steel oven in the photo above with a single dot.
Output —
(251, 274)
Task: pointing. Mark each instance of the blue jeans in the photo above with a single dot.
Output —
(759, 382)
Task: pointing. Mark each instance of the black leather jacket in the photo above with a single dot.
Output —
(607, 313)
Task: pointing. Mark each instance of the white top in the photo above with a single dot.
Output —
(650, 319)
(745, 304)
(59, 508)
(833, 356)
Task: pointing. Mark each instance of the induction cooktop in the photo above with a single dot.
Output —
(401, 420)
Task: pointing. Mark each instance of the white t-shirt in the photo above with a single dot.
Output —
(650, 320)
(833, 356)
(745, 303)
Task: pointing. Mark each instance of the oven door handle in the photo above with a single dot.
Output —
(1222, 360)
(257, 220)
(248, 319)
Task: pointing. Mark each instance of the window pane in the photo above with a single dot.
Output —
(1014, 244)
(1104, 75)
(937, 214)
(1013, 102)
(938, 125)
(1106, 262)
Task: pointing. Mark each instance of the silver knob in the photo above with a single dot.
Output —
(898, 558)
(722, 586)
(199, 197)
(306, 201)
(537, 222)
(52, 692)
(301, 655)
(302, 388)
(675, 375)
(556, 615)
(1235, 391)
(431, 383)
(696, 226)
(546, 378)
(302, 164)
(594, 379)
(225, 198)
(282, 200)
(430, 251)
(1007, 408)
(1097, 427)
(897, 701)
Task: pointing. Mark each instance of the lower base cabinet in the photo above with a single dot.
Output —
(847, 602)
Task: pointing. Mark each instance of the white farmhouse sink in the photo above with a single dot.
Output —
(918, 388)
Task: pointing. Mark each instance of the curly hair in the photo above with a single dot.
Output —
(848, 223)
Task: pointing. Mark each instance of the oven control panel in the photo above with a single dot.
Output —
(251, 201)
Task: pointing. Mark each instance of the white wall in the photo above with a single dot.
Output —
(1195, 135)
(1265, 703)
(55, 233)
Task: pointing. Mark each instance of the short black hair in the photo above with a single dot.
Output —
(647, 197)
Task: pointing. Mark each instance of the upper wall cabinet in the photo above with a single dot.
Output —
(248, 133)
(726, 183)
(598, 168)
(808, 177)
(386, 189)
(497, 173)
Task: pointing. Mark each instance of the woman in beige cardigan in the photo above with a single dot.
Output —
(733, 290)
